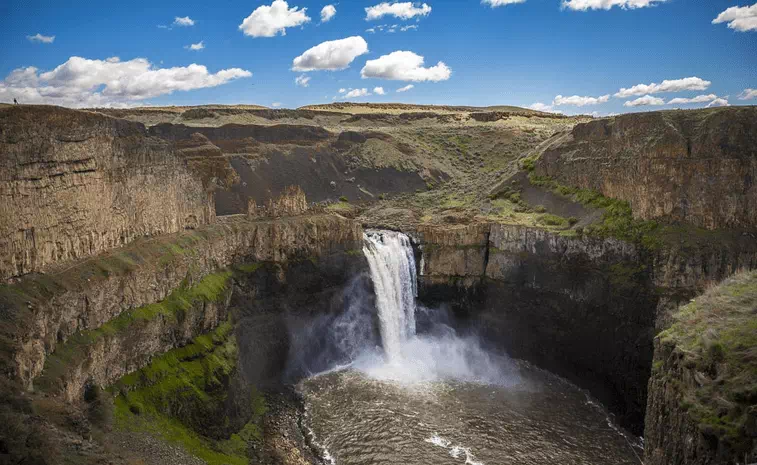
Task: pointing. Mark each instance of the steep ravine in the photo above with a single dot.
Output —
(586, 308)
(232, 286)
(133, 315)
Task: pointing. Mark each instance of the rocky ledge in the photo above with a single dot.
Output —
(703, 391)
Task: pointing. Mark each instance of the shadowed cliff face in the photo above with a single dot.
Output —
(262, 161)
(232, 136)
(581, 308)
(586, 308)
(697, 167)
(74, 183)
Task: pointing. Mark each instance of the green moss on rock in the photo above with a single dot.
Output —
(716, 335)
(74, 351)
(180, 398)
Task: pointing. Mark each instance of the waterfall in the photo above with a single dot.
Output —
(392, 265)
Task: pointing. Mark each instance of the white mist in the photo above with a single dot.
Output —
(408, 357)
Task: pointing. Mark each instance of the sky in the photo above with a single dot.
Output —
(571, 56)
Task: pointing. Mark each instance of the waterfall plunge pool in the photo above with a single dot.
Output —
(439, 398)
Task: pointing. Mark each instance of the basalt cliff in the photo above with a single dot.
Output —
(155, 260)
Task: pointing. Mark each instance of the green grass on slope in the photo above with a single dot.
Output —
(184, 389)
(617, 221)
(74, 351)
(717, 333)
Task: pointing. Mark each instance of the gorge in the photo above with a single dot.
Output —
(390, 285)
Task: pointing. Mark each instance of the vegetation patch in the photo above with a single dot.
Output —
(74, 351)
(341, 207)
(617, 221)
(181, 395)
(717, 335)
(549, 219)
(509, 208)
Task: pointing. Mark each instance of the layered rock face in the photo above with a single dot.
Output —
(46, 311)
(586, 308)
(697, 167)
(73, 184)
(583, 308)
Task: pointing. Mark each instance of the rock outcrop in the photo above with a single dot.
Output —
(291, 202)
(697, 167)
(702, 405)
(581, 307)
(586, 308)
(75, 183)
(44, 311)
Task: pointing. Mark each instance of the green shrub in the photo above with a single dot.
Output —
(540, 209)
(572, 220)
(343, 199)
(552, 220)
(528, 164)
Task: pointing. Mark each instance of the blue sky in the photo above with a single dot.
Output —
(516, 54)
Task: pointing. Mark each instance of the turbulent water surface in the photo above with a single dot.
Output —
(439, 398)
(542, 420)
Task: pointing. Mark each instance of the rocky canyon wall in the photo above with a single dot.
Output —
(697, 167)
(583, 308)
(185, 273)
(76, 183)
(586, 308)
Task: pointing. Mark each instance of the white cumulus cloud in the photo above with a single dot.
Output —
(302, 81)
(496, 3)
(276, 104)
(40, 38)
(355, 93)
(697, 99)
(719, 102)
(198, 46)
(402, 10)
(379, 91)
(406, 88)
(583, 5)
(331, 55)
(267, 21)
(404, 66)
(185, 21)
(646, 100)
(740, 18)
(539, 106)
(748, 94)
(81, 82)
(675, 85)
(579, 101)
(327, 12)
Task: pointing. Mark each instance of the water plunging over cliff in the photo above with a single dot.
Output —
(437, 353)
(430, 394)
(392, 265)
